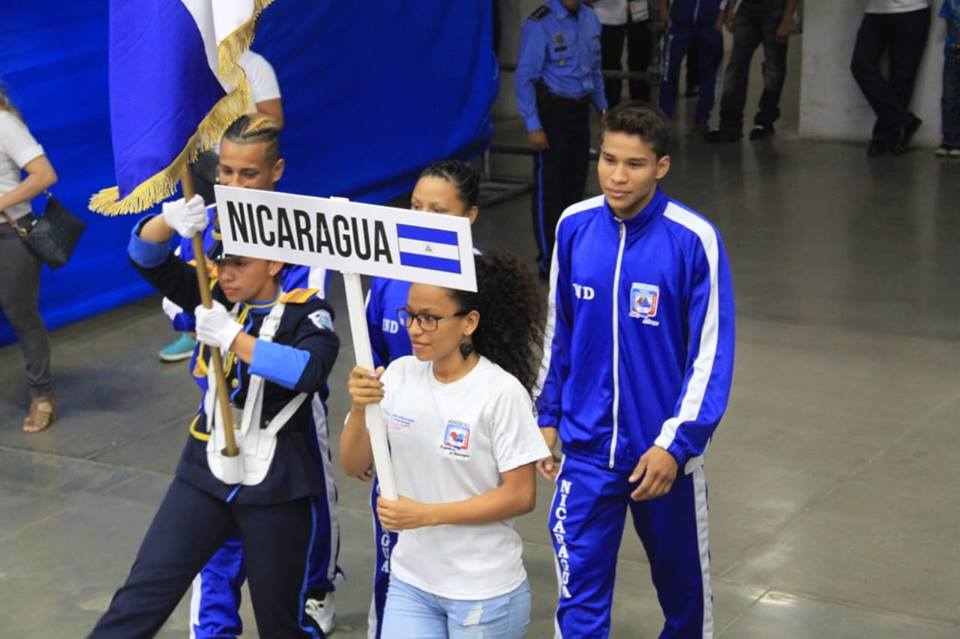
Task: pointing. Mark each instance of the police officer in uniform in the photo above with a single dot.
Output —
(558, 77)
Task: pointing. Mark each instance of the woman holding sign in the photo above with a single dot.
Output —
(448, 187)
(464, 442)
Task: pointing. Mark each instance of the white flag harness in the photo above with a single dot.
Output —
(257, 445)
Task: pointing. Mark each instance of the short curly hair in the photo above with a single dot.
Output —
(512, 314)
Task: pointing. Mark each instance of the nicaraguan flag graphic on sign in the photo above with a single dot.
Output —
(427, 248)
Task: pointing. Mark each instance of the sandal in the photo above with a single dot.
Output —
(41, 415)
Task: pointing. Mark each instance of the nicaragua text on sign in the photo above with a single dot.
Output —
(350, 237)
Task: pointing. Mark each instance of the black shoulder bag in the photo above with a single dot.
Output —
(53, 235)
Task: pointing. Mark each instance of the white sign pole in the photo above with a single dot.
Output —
(361, 348)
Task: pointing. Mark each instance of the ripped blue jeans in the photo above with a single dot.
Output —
(413, 613)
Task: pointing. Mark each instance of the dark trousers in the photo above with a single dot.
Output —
(755, 24)
(19, 299)
(693, 66)
(950, 102)
(903, 36)
(710, 54)
(639, 50)
(187, 529)
(560, 172)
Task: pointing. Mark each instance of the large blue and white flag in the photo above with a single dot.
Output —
(172, 66)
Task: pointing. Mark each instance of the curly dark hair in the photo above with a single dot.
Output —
(512, 314)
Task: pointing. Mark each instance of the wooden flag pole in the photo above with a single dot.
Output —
(203, 279)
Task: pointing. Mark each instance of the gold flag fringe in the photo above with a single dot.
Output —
(236, 103)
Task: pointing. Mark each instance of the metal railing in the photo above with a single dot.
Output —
(607, 73)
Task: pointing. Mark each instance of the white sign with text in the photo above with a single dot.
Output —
(345, 236)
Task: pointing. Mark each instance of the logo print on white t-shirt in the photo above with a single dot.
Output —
(456, 439)
(399, 422)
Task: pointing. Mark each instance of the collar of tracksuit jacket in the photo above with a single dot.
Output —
(639, 223)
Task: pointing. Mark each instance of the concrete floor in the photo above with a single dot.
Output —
(834, 476)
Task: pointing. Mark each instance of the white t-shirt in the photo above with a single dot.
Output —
(451, 442)
(614, 12)
(894, 6)
(611, 12)
(17, 149)
(261, 76)
(262, 80)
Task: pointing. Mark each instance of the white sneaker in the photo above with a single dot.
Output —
(322, 612)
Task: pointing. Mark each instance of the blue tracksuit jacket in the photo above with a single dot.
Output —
(640, 335)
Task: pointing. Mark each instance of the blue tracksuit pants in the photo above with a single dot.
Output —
(710, 53)
(586, 527)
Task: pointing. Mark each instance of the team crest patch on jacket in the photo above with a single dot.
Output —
(456, 439)
(644, 299)
(321, 319)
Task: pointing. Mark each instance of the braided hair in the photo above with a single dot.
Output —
(461, 175)
(256, 127)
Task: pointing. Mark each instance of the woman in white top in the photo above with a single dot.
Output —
(20, 267)
(464, 443)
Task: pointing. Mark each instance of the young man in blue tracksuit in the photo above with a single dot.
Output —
(635, 378)
(689, 22)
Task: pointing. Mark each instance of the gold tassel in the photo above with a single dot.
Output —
(230, 107)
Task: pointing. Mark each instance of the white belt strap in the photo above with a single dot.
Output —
(253, 406)
(257, 445)
(280, 419)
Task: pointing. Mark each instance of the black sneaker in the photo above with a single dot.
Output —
(902, 142)
(761, 131)
(877, 147)
(723, 135)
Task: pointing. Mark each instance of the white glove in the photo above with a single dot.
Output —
(215, 327)
(186, 218)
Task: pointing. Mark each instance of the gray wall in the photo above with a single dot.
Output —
(512, 15)
(831, 105)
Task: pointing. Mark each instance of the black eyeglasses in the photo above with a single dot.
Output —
(427, 323)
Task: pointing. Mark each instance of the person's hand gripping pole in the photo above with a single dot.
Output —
(375, 425)
(203, 279)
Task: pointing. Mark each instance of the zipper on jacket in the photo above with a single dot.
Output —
(616, 343)
(696, 11)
